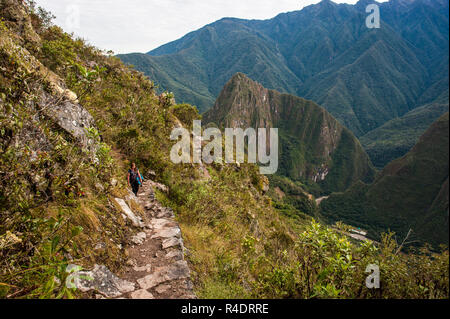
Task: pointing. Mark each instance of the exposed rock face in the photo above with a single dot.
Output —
(313, 145)
(136, 220)
(141, 294)
(17, 19)
(103, 281)
(71, 117)
(139, 238)
(321, 174)
(57, 103)
(177, 270)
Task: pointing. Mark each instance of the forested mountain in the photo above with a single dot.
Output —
(314, 147)
(324, 52)
(410, 193)
(396, 137)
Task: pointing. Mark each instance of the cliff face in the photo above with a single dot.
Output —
(17, 19)
(314, 147)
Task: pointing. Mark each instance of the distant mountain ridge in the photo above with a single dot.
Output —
(314, 147)
(324, 52)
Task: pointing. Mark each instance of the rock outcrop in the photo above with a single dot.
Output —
(54, 100)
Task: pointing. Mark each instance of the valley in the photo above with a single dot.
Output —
(362, 178)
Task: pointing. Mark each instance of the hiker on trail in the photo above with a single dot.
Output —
(134, 178)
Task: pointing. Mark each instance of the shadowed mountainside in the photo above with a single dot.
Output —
(314, 148)
(396, 137)
(410, 193)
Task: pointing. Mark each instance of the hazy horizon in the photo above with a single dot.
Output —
(143, 30)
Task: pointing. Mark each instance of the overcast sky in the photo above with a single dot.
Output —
(142, 25)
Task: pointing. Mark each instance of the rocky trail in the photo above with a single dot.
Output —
(156, 267)
(157, 264)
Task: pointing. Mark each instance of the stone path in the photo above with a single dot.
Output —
(157, 265)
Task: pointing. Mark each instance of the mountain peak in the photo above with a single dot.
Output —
(325, 5)
(365, 2)
(326, 2)
(239, 76)
(310, 137)
(317, 52)
(242, 78)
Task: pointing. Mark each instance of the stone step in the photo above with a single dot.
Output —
(177, 270)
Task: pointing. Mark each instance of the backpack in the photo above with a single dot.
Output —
(134, 177)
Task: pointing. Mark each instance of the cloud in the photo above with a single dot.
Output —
(141, 25)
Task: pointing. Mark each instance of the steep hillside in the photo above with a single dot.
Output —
(72, 119)
(410, 193)
(364, 77)
(396, 138)
(57, 177)
(314, 147)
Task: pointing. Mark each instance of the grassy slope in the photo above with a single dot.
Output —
(55, 202)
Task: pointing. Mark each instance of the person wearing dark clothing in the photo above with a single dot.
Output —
(134, 178)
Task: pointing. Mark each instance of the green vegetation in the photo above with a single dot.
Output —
(363, 77)
(410, 193)
(396, 138)
(313, 147)
(57, 189)
(51, 207)
(291, 199)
